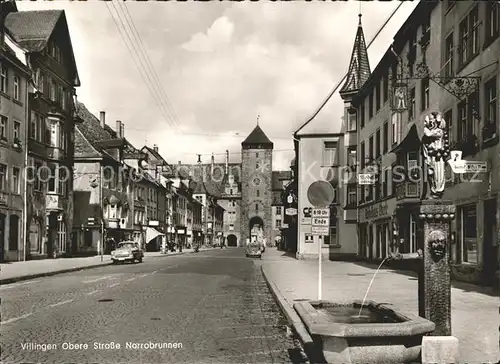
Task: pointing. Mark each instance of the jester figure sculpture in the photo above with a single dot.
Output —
(435, 147)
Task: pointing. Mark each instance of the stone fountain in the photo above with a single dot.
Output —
(380, 335)
(354, 332)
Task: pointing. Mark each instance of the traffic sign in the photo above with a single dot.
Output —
(320, 221)
(325, 213)
(319, 230)
(320, 193)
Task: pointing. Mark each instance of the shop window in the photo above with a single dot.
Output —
(87, 238)
(61, 236)
(468, 243)
(13, 232)
(35, 238)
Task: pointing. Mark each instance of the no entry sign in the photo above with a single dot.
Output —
(320, 194)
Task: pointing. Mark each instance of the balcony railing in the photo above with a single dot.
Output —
(407, 190)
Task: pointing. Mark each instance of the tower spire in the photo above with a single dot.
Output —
(258, 117)
(359, 67)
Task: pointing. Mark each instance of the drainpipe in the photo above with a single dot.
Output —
(101, 248)
(25, 182)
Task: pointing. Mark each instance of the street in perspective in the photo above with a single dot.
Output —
(240, 182)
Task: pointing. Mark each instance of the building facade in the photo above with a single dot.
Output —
(14, 89)
(101, 189)
(470, 47)
(325, 151)
(279, 180)
(440, 60)
(51, 128)
(157, 228)
(256, 191)
(381, 127)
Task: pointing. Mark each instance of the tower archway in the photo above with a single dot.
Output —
(256, 227)
(232, 240)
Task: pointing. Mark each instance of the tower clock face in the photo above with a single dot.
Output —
(256, 181)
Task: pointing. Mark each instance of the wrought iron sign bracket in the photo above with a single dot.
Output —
(459, 86)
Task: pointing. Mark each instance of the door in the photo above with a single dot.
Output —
(2, 237)
(490, 248)
(378, 240)
(370, 241)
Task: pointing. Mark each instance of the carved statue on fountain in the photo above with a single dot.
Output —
(436, 151)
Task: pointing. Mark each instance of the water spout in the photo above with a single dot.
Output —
(369, 286)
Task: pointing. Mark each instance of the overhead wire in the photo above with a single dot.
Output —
(137, 62)
(323, 103)
(149, 64)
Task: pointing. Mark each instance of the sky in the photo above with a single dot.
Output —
(193, 77)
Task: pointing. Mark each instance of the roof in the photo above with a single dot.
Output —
(359, 67)
(90, 134)
(257, 137)
(207, 182)
(33, 29)
(156, 155)
(278, 177)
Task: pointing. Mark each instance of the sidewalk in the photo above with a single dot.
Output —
(474, 311)
(19, 271)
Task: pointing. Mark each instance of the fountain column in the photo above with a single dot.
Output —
(436, 275)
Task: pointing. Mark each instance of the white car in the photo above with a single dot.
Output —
(127, 251)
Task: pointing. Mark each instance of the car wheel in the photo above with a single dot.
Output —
(139, 259)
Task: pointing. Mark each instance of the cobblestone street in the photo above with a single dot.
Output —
(215, 304)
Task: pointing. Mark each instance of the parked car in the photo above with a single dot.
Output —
(127, 251)
(253, 249)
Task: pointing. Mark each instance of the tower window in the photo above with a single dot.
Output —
(256, 207)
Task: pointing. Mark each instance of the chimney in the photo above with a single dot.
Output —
(122, 130)
(118, 128)
(155, 148)
(103, 119)
(227, 161)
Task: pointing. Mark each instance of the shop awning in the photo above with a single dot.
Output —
(152, 233)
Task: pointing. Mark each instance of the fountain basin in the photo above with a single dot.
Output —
(380, 335)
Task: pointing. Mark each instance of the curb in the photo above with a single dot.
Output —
(68, 270)
(47, 274)
(292, 318)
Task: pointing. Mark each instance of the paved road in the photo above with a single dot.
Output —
(214, 306)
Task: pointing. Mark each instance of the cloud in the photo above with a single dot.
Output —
(218, 66)
(219, 34)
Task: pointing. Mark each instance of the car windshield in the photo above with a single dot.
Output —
(127, 245)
